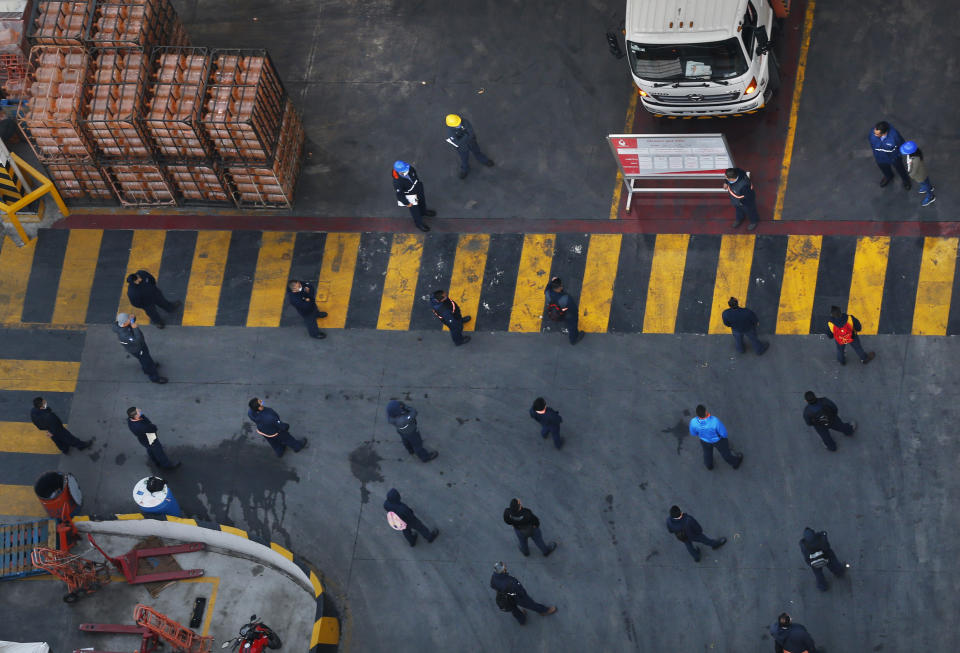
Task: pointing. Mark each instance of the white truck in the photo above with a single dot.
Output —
(701, 58)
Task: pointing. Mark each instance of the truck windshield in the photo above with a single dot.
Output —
(689, 61)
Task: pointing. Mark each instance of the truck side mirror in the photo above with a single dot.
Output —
(763, 43)
(614, 44)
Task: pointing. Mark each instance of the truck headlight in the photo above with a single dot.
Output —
(751, 87)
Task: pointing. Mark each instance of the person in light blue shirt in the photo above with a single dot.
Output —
(713, 434)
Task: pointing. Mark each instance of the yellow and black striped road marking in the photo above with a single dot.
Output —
(11, 189)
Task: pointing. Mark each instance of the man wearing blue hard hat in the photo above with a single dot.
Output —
(913, 159)
(409, 191)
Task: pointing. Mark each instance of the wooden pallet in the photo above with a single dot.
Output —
(18, 540)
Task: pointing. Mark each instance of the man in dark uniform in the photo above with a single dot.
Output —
(276, 433)
(742, 196)
(404, 419)
(131, 338)
(45, 419)
(302, 297)
(525, 526)
(549, 421)
(688, 530)
(561, 307)
(789, 637)
(822, 414)
(743, 322)
(407, 519)
(817, 553)
(843, 329)
(461, 136)
(511, 595)
(448, 312)
(410, 194)
(885, 141)
(146, 432)
(142, 291)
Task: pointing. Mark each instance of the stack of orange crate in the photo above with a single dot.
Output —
(56, 22)
(133, 24)
(80, 181)
(271, 185)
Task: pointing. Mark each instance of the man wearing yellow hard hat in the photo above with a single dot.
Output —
(461, 136)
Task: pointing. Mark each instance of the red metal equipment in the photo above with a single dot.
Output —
(179, 637)
(128, 562)
(83, 577)
(149, 642)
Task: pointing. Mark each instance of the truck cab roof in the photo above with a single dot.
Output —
(683, 21)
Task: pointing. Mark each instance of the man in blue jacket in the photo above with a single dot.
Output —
(461, 136)
(276, 432)
(712, 434)
(409, 520)
(142, 291)
(448, 312)
(743, 322)
(404, 419)
(549, 421)
(688, 530)
(303, 297)
(885, 142)
(512, 596)
(409, 190)
(562, 307)
(789, 637)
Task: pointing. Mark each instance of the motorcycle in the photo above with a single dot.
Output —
(253, 637)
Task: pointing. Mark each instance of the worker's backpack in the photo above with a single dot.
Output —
(506, 601)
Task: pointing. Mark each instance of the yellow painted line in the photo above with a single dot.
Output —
(214, 590)
(326, 630)
(234, 531)
(15, 263)
(182, 520)
(317, 585)
(799, 283)
(20, 500)
(599, 275)
(282, 551)
(866, 284)
(935, 287)
(129, 516)
(627, 129)
(336, 277)
(76, 276)
(400, 284)
(39, 376)
(146, 253)
(733, 277)
(206, 278)
(81, 518)
(794, 110)
(666, 278)
(24, 437)
(270, 279)
(466, 282)
(532, 277)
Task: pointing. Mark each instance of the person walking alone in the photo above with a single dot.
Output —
(817, 553)
(549, 421)
(885, 141)
(742, 196)
(275, 431)
(132, 340)
(743, 322)
(302, 297)
(512, 596)
(146, 433)
(461, 136)
(688, 530)
(448, 312)
(404, 419)
(843, 329)
(409, 190)
(561, 307)
(401, 517)
(143, 293)
(713, 435)
(823, 415)
(45, 419)
(525, 526)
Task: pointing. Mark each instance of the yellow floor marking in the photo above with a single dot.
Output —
(326, 630)
(400, 284)
(76, 276)
(733, 277)
(466, 282)
(532, 277)
(38, 376)
(24, 437)
(214, 589)
(666, 279)
(799, 284)
(270, 278)
(866, 284)
(935, 287)
(146, 253)
(794, 110)
(627, 129)
(206, 278)
(15, 264)
(599, 276)
(20, 500)
(336, 277)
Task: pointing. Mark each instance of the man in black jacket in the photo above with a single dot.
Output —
(394, 505)
(562, 307)
(274, 431)
(789, 637)
(143, 292)
(303, 297)
(743, 322)
(404, 419)
(45, 419)
(817, 553)
(742, 196)
(688, 530)
(822, 414)
(549, 421)
(448, 312)
(511, 595)
(146, 432)
(409, 190)
(525, 526)
(461, 136)
(132, 340)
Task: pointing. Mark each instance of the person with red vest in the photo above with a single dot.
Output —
(843, 329)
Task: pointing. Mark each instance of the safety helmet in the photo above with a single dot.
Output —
(401, 167)
(908, 148)
(453, 120)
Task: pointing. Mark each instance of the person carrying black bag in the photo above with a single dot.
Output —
(823, 415)
(817, 553)
(561, 307)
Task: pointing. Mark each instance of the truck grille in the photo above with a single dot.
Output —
(697, 98)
